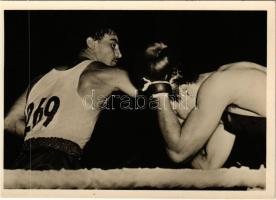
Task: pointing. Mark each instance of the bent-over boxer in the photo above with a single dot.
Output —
(235, 94)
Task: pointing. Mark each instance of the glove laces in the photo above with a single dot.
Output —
(149, 82)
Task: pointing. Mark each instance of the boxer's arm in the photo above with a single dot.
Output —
(14, 122)
(120, 80)
(216, 151)
(116, 78)
(183, 142)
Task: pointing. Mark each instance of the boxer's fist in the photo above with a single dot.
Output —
(158, 62)
(158, 69)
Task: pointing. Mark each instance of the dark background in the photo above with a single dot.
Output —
(37, 41)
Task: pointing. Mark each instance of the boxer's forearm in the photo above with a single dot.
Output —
(20, 127)
(127, 87)
(121, 81)
(169, 124)
(14, 126)
(180, 147)
(15, 120)
(184, 141)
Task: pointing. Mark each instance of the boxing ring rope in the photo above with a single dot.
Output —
(135, 178)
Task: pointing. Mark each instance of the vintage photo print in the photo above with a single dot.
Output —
(138, 99)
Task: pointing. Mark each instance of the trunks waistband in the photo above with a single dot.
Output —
(59, 144)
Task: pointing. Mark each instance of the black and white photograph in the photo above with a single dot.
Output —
(162, 98)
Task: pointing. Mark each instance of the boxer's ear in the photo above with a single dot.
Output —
(90, 42)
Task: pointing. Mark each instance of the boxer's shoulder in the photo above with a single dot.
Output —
(217, 87)
(242, 65)
(215, 80)
(101, 72)
(99, 75)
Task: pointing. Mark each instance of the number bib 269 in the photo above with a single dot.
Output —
(46, 112)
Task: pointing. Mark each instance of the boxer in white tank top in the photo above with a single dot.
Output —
(56, 116)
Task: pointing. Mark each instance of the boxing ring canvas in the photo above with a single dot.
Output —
(126, 155)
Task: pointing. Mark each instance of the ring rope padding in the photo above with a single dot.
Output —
(135, 178)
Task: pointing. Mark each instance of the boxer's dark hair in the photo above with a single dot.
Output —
(177, 64)
(99, 33)
(188, 72)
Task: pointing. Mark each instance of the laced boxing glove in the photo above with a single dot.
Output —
(158, 70)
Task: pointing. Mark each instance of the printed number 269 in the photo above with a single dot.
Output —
(40, 112)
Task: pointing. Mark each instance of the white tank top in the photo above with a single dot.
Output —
(55, 109)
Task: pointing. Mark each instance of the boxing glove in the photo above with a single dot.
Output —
(158, 69)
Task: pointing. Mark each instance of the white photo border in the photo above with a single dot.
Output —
(268, 6)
